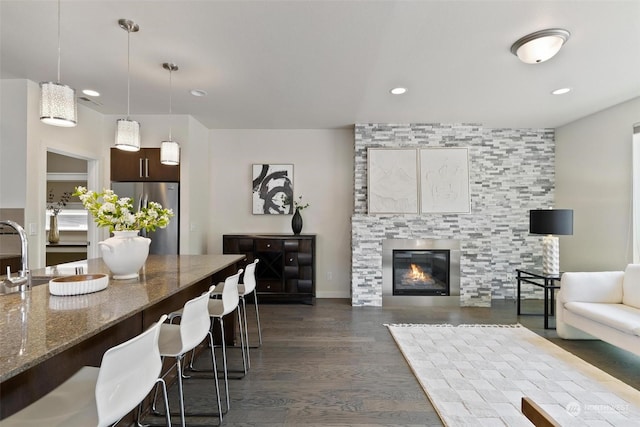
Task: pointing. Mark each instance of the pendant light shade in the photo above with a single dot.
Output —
(58, 105)
(127, 130)
(170, 153)
(170, 149)
(128, 135)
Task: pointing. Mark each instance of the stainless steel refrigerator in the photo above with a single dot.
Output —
(164, 241)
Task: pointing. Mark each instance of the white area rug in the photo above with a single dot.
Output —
(476, 375)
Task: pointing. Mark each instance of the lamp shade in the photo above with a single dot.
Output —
(128, 135)
(169, 153)
(58, 105)
(551, 221)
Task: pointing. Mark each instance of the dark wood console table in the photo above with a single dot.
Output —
(287, 267)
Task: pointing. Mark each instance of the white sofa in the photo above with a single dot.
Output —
(601, 305)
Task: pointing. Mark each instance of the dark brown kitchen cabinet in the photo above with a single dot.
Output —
(286, 271)
(143, 165)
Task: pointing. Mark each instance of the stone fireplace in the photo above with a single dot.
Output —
(510, 172)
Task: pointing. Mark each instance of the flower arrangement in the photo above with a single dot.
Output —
(117, 213)
(297, 204)
(55, 208)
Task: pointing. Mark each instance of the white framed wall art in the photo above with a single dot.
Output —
(392, 180)
(444, 180)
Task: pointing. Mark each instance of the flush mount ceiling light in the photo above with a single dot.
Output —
(128, 131)
(58, 105)
(398, 90)
(540, 46)
(170, 149)
(561, 91)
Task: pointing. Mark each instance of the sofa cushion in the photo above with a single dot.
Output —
(600, 286)
(631, 286)
(618, 316)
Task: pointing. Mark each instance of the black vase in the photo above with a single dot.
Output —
(296, 222)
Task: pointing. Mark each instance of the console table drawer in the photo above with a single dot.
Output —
(268, 245)
(269, 286)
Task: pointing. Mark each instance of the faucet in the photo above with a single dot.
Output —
(24, 273)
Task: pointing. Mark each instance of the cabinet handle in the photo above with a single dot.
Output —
(290, 259)
(140, 167)
(268, 245)
(268, 286)
(146, 164)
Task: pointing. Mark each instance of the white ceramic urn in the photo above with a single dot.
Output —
(125, 253)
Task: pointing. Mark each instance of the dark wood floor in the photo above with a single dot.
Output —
(335, 365)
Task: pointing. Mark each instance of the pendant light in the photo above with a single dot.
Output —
(170, 149)
(128, 131)
(58, 105)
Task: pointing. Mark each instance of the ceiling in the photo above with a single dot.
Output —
(329, 64)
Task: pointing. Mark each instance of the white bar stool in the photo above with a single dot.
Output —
(177, 340)
(101, 396)
(218, 308)
(246, 288)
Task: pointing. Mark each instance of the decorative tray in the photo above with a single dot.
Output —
(78, 285)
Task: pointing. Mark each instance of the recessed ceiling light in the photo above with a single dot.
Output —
(198, 92)
(561, 91)
(90, 92)
(398, 90)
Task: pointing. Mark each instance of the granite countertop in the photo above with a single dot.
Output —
(35, 325)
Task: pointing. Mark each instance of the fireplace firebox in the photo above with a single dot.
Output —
(421, 272)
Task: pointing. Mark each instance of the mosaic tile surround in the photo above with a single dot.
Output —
(511, 171)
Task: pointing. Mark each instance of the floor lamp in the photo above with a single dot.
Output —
(551, 222)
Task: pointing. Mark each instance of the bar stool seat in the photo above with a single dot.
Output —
(101, 396)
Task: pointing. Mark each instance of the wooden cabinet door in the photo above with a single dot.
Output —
(143, 165)
(156, 171)
(126, 165)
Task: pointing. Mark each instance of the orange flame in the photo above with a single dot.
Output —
(417, 275)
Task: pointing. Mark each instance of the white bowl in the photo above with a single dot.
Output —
(78, 284)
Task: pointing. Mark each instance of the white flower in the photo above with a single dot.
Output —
(109, 210)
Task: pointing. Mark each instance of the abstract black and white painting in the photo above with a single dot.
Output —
(272, 189)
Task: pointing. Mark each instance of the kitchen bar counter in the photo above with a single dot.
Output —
(40, 333)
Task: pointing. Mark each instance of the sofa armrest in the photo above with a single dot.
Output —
(597, 286)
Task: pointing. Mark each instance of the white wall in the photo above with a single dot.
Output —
(593, 177)
(195, 187)
(323, 175)
(13, 141)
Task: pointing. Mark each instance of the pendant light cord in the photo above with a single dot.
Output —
(58, 41)
(170, 93)
(128, 69)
